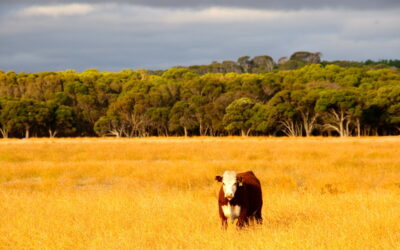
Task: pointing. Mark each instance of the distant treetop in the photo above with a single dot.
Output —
(265, 63)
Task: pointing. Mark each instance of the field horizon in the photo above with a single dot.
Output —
(160, 193)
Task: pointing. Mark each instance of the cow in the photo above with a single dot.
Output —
(240, 198)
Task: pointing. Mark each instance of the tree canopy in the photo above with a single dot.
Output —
(255, 97)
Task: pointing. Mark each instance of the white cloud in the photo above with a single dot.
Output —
(58, 10)
(218, 14)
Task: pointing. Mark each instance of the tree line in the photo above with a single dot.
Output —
(259, 64)
(299, 59)
(316, 99)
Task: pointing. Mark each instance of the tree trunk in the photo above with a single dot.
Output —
(365, 131)
(117, 133)
(248, 132)
(200, 129)
(292, 128)
(308, 122)
(52, 134)
(212, 133)
(206, 131)
(185, 130)
(166, 132)
(341, 123)
(4, 132)
(358, 127)
(26, 133)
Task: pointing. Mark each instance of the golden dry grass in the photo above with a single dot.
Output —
(319, 193)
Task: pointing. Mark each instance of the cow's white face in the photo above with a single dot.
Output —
(229, 184)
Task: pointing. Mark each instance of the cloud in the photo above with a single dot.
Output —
(220, 14)
(57, 10)
(264, 4)
(112, 37)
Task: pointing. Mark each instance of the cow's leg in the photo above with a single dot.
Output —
(224, 223)
(258, 217)
(242, 220)
(251, 220)
(246, 221)
(240, 223)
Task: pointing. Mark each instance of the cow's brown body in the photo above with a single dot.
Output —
(248, 196)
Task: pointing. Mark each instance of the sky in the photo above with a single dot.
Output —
(48, 35)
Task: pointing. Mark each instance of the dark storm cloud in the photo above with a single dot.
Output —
(80, 35)
(264, 4)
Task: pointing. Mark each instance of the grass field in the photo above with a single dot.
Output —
(319, 193)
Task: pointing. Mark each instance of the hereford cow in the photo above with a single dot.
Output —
(239, 198)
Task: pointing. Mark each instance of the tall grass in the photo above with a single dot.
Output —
(319, 193)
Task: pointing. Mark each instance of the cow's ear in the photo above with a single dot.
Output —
(218, 178)
(240, 181)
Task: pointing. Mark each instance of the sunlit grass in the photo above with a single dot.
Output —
(160, 193)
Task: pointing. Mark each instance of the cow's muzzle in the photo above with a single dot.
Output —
(229, 196)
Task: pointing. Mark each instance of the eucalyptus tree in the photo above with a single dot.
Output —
(61, 120)
(244, 115)
(110, 125)
(339, 108)
(22, 115)
(4, 119)
(283, 111)
(304, 101)
(182, 116)
(388, 100)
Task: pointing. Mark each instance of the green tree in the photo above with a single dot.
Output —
(159, 117)
(129, 113)
(282, 109)
(61, 120)
(239, 115)
(339, 108)
(182, 116)
(388, 102)
(5, 126)
(110, 125)
(305, 101)
(20, 114)
(259, 119)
